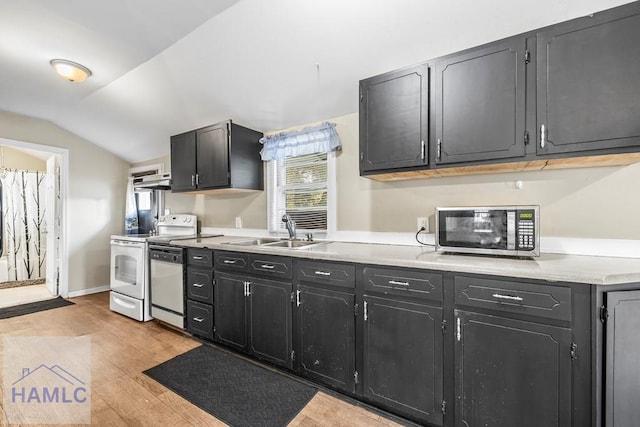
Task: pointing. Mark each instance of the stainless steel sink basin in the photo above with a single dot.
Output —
(255, 242)
(276, 243)
(293, 244)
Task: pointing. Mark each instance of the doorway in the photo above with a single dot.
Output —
(33, 265)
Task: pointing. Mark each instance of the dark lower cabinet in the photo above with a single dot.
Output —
(326, 335)
(622, 370)
(198, 283)
(402, 358)
(270, 329)
(231, 312)
(511, 372)
(200, 319)
(254, 315)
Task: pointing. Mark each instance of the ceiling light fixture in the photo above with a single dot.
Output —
(70, 71)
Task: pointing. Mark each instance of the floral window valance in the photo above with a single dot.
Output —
(314, 139)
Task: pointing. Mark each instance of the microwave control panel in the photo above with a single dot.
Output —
(526, 229)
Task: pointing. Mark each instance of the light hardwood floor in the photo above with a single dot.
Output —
(122, 348)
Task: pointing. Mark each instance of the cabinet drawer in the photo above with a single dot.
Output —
(200, 257)
(327, 273)
(272, 266)
(553, 302)
(410, 283)
(200, 285)
(200, 319)
(231, 261)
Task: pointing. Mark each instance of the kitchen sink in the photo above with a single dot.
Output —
(255, 242)
(276, 243)
(293, 244)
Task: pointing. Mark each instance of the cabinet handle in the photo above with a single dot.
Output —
(422, 150)
(245, 288)
(322, 273)
(543, 136)
(507, 297)
(197, 179)
(193, 180)
(198, 319)
(196, 258)
(268, 266)
(229, 261)
(439, 151)
(366, 310)
(458, 333)
(395, 282)
(297, 298)
(197, 285)
(248, 288)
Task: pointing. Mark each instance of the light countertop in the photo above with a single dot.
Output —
(550, 267)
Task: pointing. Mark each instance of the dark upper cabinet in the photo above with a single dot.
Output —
(588, 83)
(394, 122)
(183, 161)
(511, 372)
(220, 156)
(479, 103)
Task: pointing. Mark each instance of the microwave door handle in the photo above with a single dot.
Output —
(511, 230)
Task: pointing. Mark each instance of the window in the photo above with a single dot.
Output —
(301, 179)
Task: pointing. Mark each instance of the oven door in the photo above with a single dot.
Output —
(128, 268)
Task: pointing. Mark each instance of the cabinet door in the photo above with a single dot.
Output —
(480, 104)
(622, 375)
(588, 85)
(326, 336)
(511, 373)
(394, 120)
(230, 313)
(270, 328)
(183, 161)
(212, 156)
(403, 357)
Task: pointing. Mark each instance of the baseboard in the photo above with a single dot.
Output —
(89, 291)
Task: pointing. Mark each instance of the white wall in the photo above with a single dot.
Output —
(97, 184)
(596, 203)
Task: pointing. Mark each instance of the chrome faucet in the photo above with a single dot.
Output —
(290, 224)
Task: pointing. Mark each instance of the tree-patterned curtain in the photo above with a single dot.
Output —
(25, 233)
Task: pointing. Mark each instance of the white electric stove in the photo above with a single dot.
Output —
(130, 267)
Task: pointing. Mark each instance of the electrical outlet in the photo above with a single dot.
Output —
(238, 222)
(422, 222)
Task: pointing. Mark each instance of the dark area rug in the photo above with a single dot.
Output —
(33, 307)
(232, 389)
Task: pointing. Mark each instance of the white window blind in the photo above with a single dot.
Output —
(298, 186)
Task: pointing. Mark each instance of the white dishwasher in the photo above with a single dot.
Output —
(166, 283)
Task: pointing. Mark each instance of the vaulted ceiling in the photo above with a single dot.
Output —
(165, 67)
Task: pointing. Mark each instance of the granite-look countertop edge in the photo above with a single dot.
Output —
(549, 267)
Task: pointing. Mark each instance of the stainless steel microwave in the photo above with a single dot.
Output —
(491, 230)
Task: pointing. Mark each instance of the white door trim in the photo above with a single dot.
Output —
(64, 195)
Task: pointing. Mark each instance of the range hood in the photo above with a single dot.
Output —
(160, 181)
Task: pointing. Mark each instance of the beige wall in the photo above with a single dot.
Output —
(96, 194)
(580, 203)
(16, 159)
